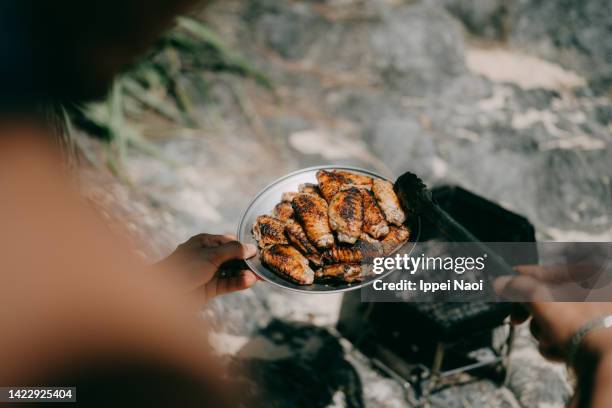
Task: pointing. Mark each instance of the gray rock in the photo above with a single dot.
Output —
(576, 33)
(572, 191)
(475, 394)
(287, 28)
(486, 18)
(242, 313)
(535, 381)
(404, 145)
(417, 49)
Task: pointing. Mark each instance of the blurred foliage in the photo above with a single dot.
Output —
(161, 83)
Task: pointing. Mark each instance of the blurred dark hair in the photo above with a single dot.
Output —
(69, 50)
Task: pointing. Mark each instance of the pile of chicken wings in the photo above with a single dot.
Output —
(328, 232)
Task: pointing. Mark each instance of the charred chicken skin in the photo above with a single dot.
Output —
(331, 182)
(388, 202)
(374, 222)
(363, 251)
(344, 272)
(311, 211)
(341, 254)
(288, 261)
(346, 215)
(268, 231)
(297, 237)
(356, 180)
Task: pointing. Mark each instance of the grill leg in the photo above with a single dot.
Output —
(436, 368)
(506, 357)
(438, 358)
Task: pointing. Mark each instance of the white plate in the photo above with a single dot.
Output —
(264, 203)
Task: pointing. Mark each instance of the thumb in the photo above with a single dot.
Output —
(231, 250)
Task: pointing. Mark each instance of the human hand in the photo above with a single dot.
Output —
(200, 265)
(553, 323)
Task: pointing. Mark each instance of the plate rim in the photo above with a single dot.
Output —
(305, 170)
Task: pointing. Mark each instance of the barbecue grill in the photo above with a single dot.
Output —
(430, 345)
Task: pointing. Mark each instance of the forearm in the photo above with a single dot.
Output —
(593, 366)
(602, 384)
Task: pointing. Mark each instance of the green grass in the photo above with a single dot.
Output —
(158, 84)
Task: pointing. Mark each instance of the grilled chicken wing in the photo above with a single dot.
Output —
(343, 271)
(331, 182)
(289, 262)
(268, 231)
(363, 251)
(396, 237)
(309, 188)
(311, 211)
(374, 222)
(356, 180)
(283, 211)
(298, 238)
(388, 201)
(346, 215)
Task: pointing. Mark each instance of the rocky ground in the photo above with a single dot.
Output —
(510, 99)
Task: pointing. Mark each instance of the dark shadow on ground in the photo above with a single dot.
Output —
(290, 364)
